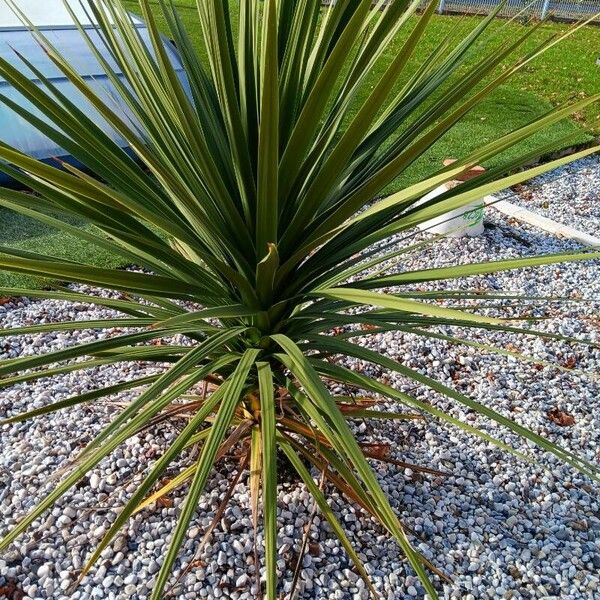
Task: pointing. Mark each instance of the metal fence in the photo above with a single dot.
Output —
(565, 10)
(568, 10)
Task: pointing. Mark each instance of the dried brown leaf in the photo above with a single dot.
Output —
(561, 418)
(377, 451)
(11, 591)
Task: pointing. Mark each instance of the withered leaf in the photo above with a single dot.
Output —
(377, 451)
(11, 591)
(165, 502)
(561, 418)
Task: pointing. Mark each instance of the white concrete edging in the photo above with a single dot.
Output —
(532, 218)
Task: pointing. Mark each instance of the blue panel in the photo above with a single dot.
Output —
(17, 132)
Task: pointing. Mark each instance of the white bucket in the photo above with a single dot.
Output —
(464, 221)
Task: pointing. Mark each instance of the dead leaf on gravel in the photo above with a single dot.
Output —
(198, 564)
(561, 418)
(11, 590)
(580, 525)
(378, 451)
(314, 549)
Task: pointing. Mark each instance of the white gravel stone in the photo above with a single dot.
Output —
(568, 195)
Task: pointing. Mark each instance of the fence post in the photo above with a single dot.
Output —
(441, 7)
(545, 8)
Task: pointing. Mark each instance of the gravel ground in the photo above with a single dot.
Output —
(570, 195)
(498, 527)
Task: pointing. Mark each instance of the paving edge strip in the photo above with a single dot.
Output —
(532, 218)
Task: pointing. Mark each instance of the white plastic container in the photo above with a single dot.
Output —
(464, 221)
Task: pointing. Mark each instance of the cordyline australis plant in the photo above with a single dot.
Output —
(249, 204)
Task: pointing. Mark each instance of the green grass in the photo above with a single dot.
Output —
(566, 72)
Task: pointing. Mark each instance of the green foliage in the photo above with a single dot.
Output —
(523, 98)
(250, 208)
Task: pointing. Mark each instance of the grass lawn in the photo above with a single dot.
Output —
(564, 73)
